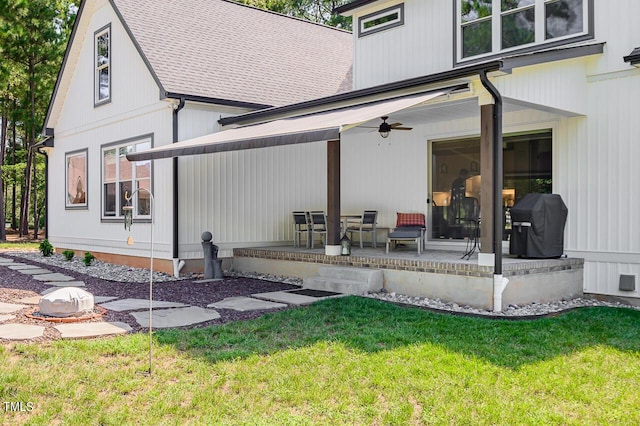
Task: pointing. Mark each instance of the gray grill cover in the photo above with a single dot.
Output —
(544, 238)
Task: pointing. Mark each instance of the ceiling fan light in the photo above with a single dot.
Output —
(384, 134)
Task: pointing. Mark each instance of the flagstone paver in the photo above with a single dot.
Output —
(33, 300)
(6, 317)
(285, 297)
(242, 304)
(7, 308)
(103, 299)
(137, 304)
(18, 266)
(176, 317)
(63, 284)
(4, 261)
(91, 329)
(20, 331)
(35, 271)
(53, 277)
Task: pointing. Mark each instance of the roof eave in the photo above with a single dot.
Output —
(347, 9)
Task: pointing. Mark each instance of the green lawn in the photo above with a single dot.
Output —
(342, 361)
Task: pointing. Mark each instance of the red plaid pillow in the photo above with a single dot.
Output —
(410, 219)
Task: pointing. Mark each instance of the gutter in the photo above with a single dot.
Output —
(177, 263)
(499, 282)
(354, 95)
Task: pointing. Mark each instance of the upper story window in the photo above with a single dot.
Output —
(487, 27)
(102, 63)
(381, 20)
(121, 177)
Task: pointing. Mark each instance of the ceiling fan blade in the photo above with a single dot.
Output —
(395, 124)
(402, 128)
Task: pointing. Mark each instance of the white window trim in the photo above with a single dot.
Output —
(363, 20)
(540, 30)
(96, 68)
(134, 202)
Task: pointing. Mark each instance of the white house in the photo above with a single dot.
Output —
(553, 84)
(132, 79)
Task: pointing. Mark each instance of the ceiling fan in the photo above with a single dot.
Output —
(385, 128)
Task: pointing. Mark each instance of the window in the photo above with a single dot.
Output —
(455, 178)
(382, 20)
(122, 178)
(102, 63)
(488, 27)
(76, 173)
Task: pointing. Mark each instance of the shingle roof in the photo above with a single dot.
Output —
(223, 50)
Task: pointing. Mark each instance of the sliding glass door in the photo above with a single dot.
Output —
(456, 179)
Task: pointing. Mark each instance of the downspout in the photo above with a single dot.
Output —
(177, 263)
(499, 282)
(46, 191)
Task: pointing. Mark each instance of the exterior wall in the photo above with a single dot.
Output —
(419, 47)
(245, 198)
(134, 110)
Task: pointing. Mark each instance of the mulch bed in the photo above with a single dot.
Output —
(15, 286)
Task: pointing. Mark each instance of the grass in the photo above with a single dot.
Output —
(342, 361)
(19, 245)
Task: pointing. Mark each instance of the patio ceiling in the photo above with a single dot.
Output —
(321, 126)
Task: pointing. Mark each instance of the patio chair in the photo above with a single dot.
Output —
(301, 226)
(366, 224)
(409, 227)
(318, 226)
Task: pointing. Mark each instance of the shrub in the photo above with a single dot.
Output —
(68, 254)
(88, 258)
(46, 248)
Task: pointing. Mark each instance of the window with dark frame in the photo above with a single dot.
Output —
(382, 20)
(102, 63)
(121, 177)
(486, 27)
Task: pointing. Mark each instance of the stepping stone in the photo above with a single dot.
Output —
(6, 317)
(4, 261)
(53, 277)
(102, 299)
(7, 308)
(177, 317)
(34, 271)
(137, 304)
(242, 304)
(18, 266)
(63, 283)
(20, 331)
(33, 300)
(285, 297)
(91, 329)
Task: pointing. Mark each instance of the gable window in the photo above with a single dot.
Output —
(487, 27)
(381, 20)
(121, 177)
(102, 63)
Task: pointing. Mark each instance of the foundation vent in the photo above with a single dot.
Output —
(627, 282)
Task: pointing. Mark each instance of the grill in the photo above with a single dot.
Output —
(538, 222)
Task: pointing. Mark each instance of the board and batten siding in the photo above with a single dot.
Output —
(422, 46)
(245, 198)
(134, 110)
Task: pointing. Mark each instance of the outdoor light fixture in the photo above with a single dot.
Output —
(634, 57)
(128, 221)
(385, 128)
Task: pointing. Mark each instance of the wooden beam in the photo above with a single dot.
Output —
(486, 170)
(333, 193)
